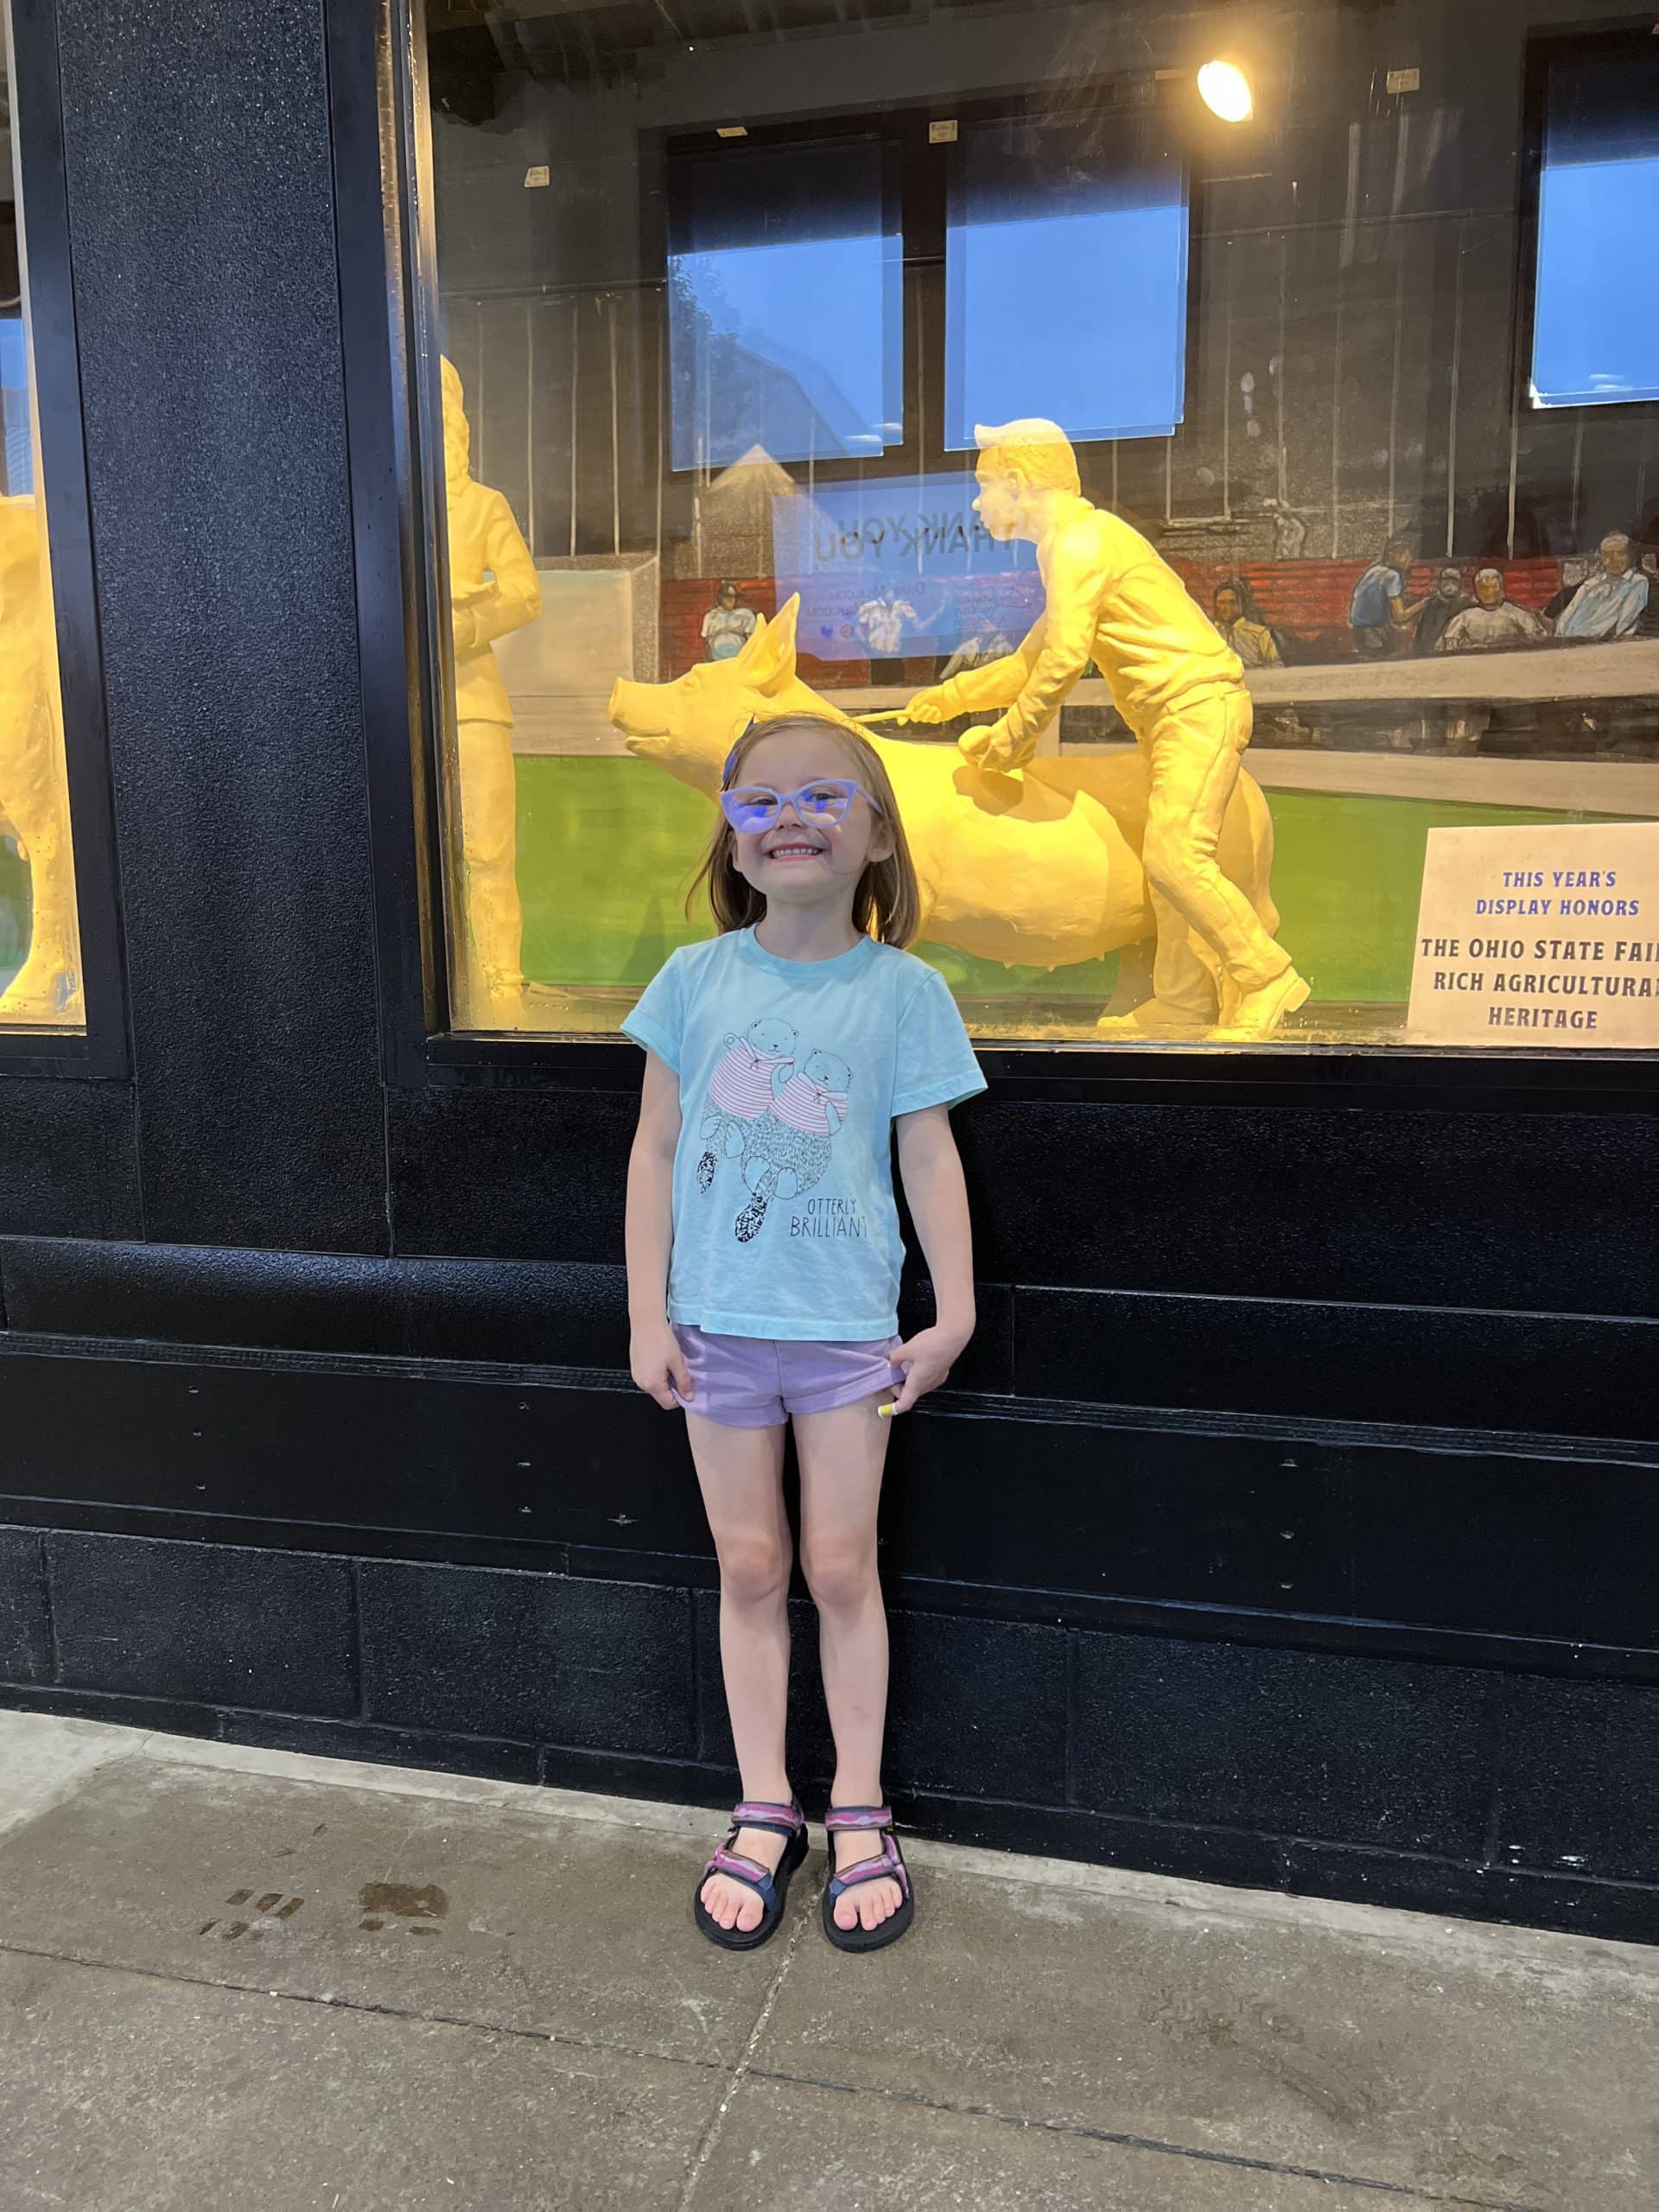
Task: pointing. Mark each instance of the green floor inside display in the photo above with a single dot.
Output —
(606, 848)
(14, 910)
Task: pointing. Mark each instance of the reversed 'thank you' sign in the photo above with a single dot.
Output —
(1546, 935)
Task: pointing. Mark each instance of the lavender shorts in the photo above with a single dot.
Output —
(758, 1382)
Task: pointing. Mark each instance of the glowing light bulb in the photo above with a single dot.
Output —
(1225, 91)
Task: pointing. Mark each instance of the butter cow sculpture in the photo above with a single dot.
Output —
(1043, 870)
(1178, 686)
(493, 589)
(34, 791)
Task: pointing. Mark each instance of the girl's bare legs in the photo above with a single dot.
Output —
(841, 1454)
(741, 1472)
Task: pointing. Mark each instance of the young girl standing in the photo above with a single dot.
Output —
(764, 1252)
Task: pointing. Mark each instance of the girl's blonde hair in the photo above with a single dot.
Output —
(886, 902)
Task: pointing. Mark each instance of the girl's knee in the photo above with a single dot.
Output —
(839, 1576)
(753, 1566)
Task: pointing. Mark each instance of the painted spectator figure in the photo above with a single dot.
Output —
(1448, 598)
(1289, 529)
(986, 643)
(1611, 600)
(1574, 572)
(881, 625)
(726, 627)
(1237, 619)
(1649, 625)
(1493, 621)
(1379, 606)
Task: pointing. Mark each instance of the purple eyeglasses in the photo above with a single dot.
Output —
(818, 805)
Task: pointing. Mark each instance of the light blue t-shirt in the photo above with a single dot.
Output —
(791, 1072)
(1368, 608)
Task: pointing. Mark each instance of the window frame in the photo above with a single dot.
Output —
(100, 1051)
(389, 298)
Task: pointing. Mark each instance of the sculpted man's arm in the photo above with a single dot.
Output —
(515, 598)
(995, 683)
(1079, 573)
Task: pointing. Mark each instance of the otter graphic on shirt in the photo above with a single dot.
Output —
(740, 1090)
(788, 1148)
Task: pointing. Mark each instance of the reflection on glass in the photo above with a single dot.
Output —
(784, 323)
(900, 566)
(1065, 282)
(724, 376)
(1596, 321)
(40, 952)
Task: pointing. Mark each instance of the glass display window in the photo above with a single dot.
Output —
(41, 985)
(1213, 456)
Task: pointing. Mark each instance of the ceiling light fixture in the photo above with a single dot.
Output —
(1225, 91)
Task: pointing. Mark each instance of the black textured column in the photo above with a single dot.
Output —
(201, 214)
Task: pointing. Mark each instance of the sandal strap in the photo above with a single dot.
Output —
(859, 1817)
(888, 1862)
(749, 1870)
(758, 1812)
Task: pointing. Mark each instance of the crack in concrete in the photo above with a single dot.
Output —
(744, 2069)
(1332, 2176)
(711, 2134)
(598, 2045)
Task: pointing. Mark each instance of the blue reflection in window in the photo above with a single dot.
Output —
(14, 405)
(904, 560)
(1596, 313)
(1066, 284)
(784, 307)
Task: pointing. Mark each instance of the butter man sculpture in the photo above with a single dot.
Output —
(493, 589)
(1111, 599)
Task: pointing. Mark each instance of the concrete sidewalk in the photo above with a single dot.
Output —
(239, 1979)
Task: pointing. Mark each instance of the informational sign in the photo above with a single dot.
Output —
(1538, 937)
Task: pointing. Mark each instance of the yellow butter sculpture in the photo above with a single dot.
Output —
(493, 589)
(1178, 685)
(34, 789)
(1042, 869)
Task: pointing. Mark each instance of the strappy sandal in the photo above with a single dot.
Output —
(889, 1861)
(772, 1889)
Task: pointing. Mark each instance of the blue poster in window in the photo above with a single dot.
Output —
(898, 567)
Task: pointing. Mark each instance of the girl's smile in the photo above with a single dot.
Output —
(793, 845)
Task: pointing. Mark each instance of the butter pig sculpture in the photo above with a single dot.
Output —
(1042, 871)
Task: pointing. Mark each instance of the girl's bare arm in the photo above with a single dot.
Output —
(654, 1354)
(931, 1169)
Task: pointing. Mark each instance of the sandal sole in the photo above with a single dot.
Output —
(860, 1938)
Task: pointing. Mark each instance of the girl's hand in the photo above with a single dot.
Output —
(655, 1360)
(927, 1358)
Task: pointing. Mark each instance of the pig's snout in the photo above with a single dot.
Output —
(636, 709)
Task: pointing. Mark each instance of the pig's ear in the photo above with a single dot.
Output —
(767, 661)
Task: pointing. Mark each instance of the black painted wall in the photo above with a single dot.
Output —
(1329, 1386)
